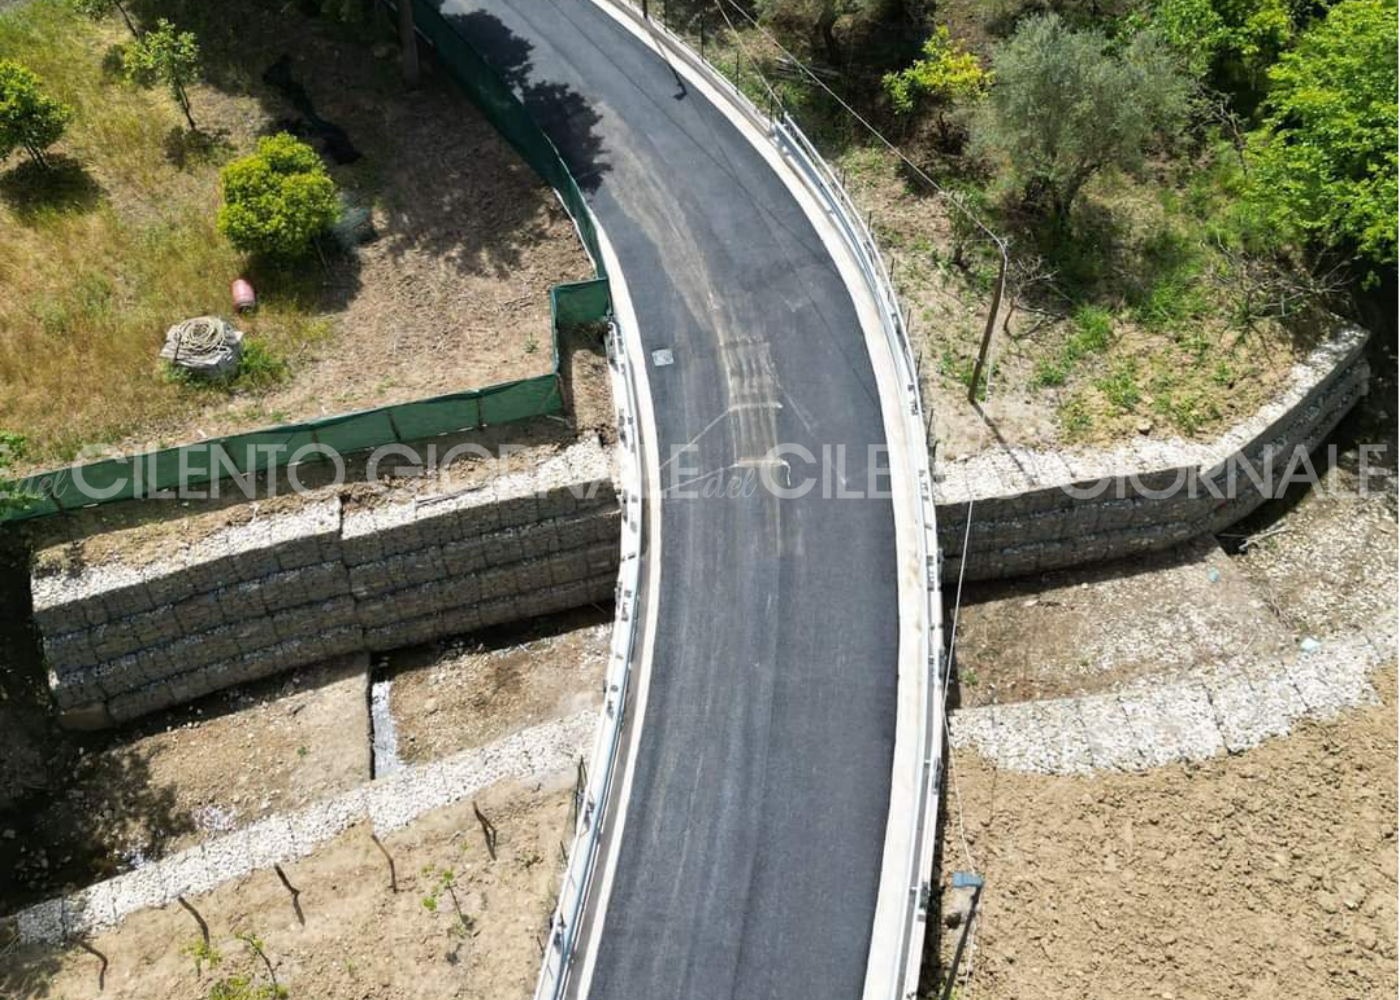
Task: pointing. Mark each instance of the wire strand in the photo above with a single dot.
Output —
(948, 196)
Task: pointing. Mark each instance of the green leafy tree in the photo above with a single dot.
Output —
(1229, 42)
(1064, 105)
(1323, 166)
(98, 9)
(166, 56)
(29, 118)
(277, 200)
(813, 25)
(946, 73)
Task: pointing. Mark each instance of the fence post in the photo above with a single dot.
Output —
(987, 332)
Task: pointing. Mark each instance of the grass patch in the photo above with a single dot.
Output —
(1091, 329)
(960, 368)
(1120, 387)
(99, 257)
(1074, 418)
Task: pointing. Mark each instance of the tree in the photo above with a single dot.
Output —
(812, 24)
(98, 9)
(1231, 42)
(28, 117)
(277, 200)
(166, 56)
(1323, 166)
(1063, 106)
(408, 42)
(946, 74)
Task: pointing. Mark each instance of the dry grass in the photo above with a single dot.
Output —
(103, 253)
(97, 262)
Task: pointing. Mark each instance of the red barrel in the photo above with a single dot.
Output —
(243, 297)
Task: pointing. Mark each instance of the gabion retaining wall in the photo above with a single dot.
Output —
(1025, 520)
(294, 588)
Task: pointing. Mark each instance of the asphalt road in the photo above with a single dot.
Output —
(750, 856)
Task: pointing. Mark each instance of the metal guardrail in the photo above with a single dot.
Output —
(583, 856)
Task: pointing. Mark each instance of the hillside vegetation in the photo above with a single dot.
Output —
(1188, 189)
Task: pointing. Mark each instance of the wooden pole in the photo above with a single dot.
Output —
(987, 332)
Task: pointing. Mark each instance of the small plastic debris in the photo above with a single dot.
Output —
(1309, 645)
(1213, 575)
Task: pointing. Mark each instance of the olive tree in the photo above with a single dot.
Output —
(29, 118)
(1064, 105)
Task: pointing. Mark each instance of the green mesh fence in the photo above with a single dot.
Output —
(195, 465)
(506, 112)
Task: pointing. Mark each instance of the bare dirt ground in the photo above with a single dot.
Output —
(1325, 558)
(1270, 874)
(1266, 874)
(359, 939)
(475, 690)
(119, 799)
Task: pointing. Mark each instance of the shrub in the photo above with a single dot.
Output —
(28, 117)
(946, 73)
(277, 200)
(259, 367)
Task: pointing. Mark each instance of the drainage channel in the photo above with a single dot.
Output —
(384, 757)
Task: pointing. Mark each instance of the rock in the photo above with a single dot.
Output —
(8, 835)
(1144, 427)
(1353, 896)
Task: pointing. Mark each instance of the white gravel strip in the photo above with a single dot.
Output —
(1184, 721)
(389, 804)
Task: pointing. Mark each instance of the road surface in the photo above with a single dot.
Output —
(750, 852)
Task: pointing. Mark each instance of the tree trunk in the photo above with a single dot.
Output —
(826, 33)
(185, 105)
(131, 26)
(408, 41)
(38, 155)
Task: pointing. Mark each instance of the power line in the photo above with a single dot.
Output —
(919, 171)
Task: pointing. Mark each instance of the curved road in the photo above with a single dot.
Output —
(750, 853)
